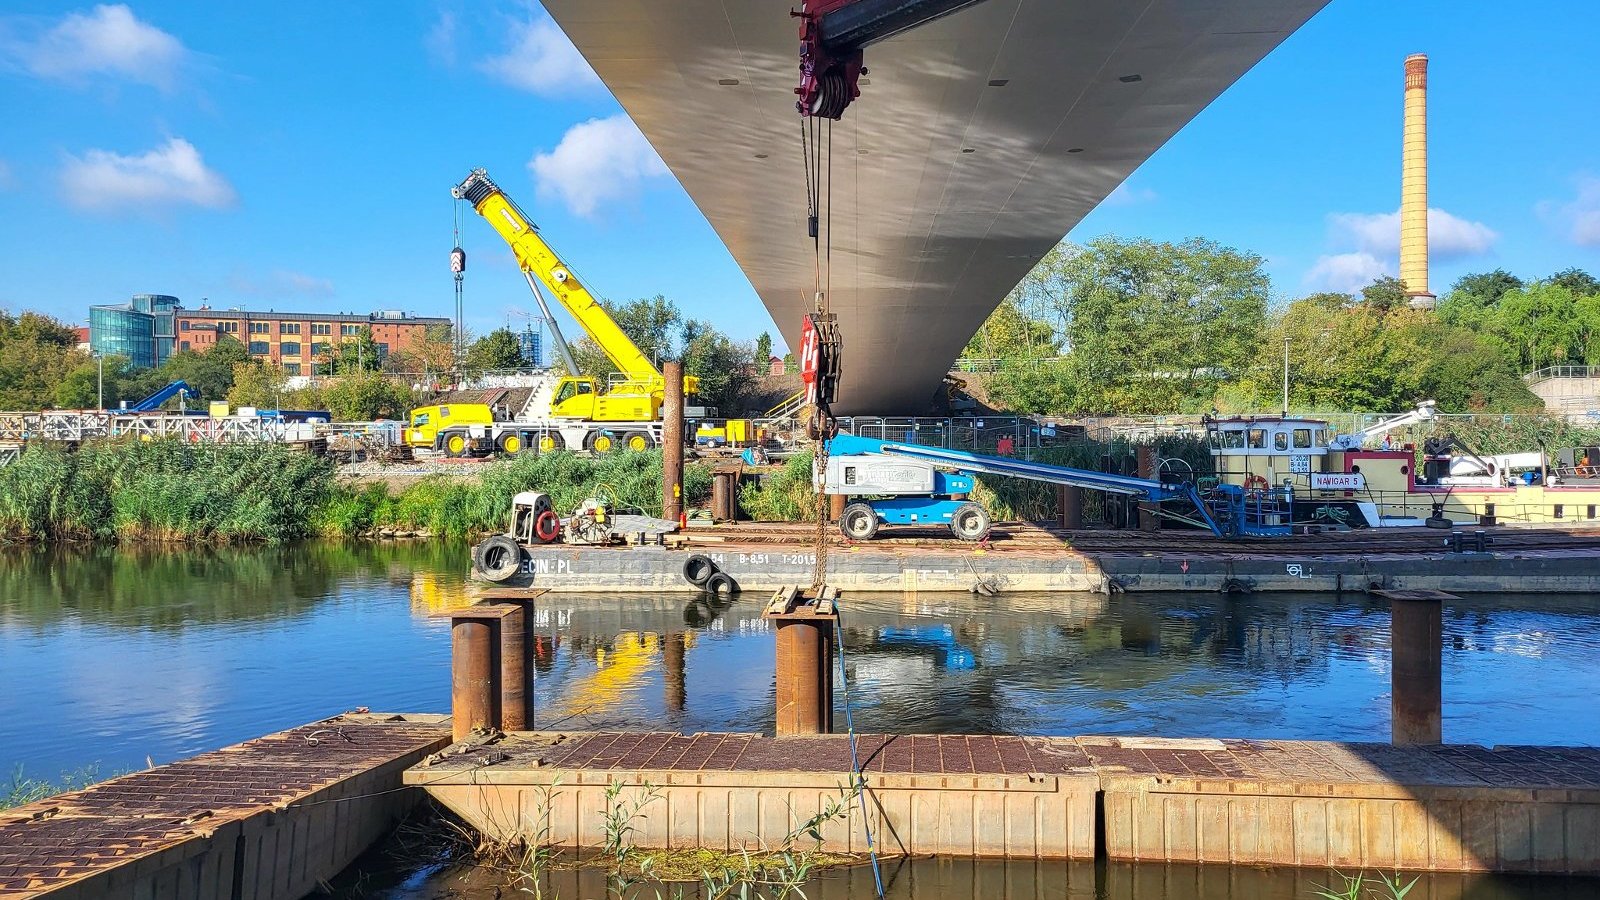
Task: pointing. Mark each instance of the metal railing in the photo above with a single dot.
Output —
(1549, 372)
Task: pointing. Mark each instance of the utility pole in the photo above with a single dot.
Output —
(100, 360)
(1286, 376)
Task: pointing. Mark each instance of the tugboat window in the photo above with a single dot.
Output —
(1280, 440)
(1258, 439)
(1302, 438)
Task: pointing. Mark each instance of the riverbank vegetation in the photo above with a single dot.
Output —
(1125, 327)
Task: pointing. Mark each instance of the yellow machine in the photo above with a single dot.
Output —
(636, 394)
(449, 427)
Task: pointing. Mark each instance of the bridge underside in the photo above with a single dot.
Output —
(978, 142)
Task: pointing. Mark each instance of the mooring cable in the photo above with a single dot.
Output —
(855, 759)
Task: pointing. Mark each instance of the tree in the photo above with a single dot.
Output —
(433, 354)
(1156, 327)
(364, 396)
(36, 354)
(721, 365)
(259, 384)
(499, 349)
(1385, 294)
(359, 353)
(209, 372)
(1472, 296)
(80, 388)
(763, 351)
(1577, 281)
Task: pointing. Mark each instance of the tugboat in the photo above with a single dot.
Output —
(1336, 480)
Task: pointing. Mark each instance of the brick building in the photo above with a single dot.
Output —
(296, 340)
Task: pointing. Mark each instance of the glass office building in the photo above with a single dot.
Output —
(141, 329)
(532, 345)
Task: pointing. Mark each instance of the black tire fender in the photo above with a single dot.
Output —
(497, 558)
(721, 583)
(699, 569)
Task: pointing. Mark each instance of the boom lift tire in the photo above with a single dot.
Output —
(455, 445)
(510, 444)
(970, 522)
(497, 558)
(698, 569)
(637, 440)
(858, 522)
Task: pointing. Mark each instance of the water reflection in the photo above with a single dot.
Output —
(111, 656)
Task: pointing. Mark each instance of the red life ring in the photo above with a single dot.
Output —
(1256, 483)
(547, 527)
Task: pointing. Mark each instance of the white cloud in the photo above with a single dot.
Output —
(441, 38)
(1379, 233)
(170, 175)
(597, 161)
(281, 283)
(1129, 196)
(541, 60)
(1579, 217)
(1345, 272)
(107, 40)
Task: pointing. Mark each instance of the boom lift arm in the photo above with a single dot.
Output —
(539, 260)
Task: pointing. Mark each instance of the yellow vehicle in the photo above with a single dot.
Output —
(454, 428)
(623, 405)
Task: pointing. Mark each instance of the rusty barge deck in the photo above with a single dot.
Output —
(762, 557)
(1241, 802)
(262, 820)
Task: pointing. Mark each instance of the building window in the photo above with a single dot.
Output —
(321, 328)
(184, 326)
(290, 348)
(349, 329)
(320, 349)
(184, 345)
(289, 328)
(259, 348)
(260, 327)
(228, 327)
(383, 349)
(291, 368)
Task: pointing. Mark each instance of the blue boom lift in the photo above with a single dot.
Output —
(910, 484)
(154, 401)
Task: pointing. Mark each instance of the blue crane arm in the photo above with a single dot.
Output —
(978, 463)
(154, 401)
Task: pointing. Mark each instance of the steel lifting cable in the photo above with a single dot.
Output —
(859, 781)
(814, 143)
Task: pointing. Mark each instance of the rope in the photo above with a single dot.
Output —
(855, 759)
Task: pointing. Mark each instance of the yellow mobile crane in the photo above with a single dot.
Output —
(571, 411)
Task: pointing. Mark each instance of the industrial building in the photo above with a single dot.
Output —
(295, 339)
(149, 328)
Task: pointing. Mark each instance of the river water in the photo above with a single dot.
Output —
(111, 659)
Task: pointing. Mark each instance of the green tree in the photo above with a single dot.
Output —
(763, 351)
(36, 354)
(364, 396)
(357, 353)
(1577, 281)
(1385, 294)
(209, 371)
(80, 388)
(1156, 327)
(722, 366)
(499, 349)
(259, 384)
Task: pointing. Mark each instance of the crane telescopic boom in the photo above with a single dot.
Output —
(538, 259)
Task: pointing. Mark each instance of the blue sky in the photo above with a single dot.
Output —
(299, 156)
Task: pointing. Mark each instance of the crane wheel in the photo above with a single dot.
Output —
(602, 443)
(698, 569)
(455, 445)
(970, 522)
(550, 442)
(721, 583)
(497, 558)
(511, 444)
(858, 522)
(637, 441)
